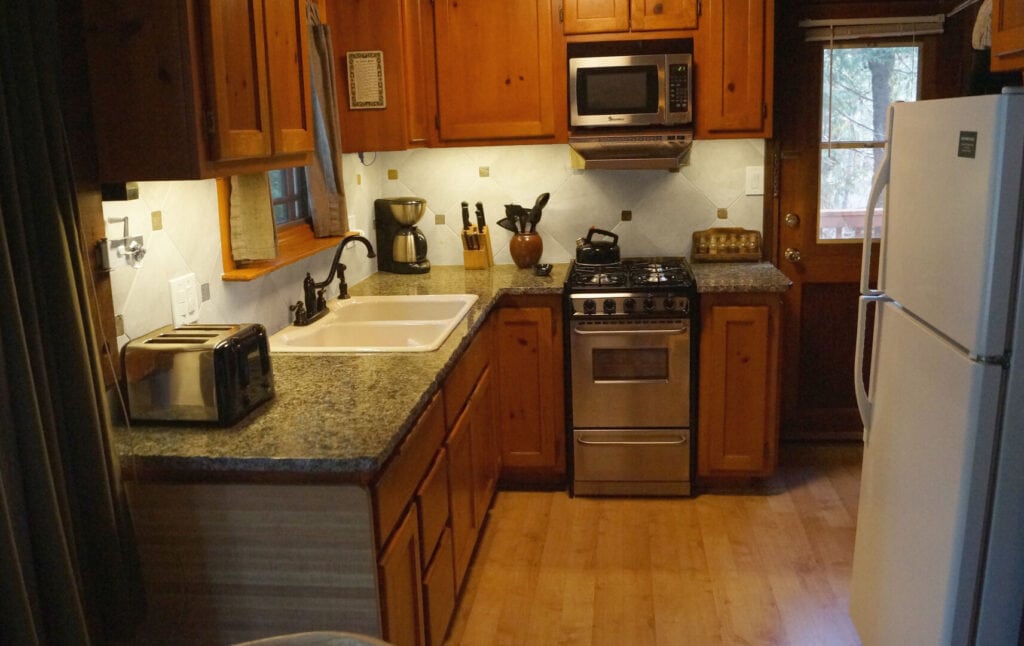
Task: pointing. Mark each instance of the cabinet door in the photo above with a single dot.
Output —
(734, 81)
(239, 112)
(495, 65)
(287, 38)
(460, 493)
(439, 590)
(485, 448)
(738, 424)
(1007, 35)
(532, 432)
(401, 585)
(595, 16)
(650, 15)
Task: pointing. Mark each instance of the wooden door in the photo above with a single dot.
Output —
(738, 385)
(235, 64)
(495, 67)
(401, 585)
(1007, 35)
(595, 16)
(287, 38)
(651, 15)
(530, 402)
(460, 493)
(734, 64)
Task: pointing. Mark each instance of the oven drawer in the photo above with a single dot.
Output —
(631, 461)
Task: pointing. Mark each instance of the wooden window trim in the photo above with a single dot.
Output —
(293, 244)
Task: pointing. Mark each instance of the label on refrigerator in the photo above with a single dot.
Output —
(968, 145)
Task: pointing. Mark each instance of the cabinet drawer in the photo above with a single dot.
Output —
(433, 505)
(397, 484)
(439, 590)
(463, 378)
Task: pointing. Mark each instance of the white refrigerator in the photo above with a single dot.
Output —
(939, 556)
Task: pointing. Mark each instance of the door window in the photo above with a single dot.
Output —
(859, 83)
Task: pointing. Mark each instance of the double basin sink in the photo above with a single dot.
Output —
(379, 324)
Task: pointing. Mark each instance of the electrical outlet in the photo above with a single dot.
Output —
(755, 180)
(204, 290)
(184, 299)
(157, 218)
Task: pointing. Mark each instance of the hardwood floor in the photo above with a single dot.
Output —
(770, 565)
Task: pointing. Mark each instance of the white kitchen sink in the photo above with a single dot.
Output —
(378, 324)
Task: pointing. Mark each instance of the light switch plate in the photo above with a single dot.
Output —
(184, 299)
(755, 180)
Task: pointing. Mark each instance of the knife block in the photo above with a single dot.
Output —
(481, 258)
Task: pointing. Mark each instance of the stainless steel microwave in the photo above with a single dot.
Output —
(638, 90)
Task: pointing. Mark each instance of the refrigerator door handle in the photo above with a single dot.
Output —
(881, 180)
(864, 404)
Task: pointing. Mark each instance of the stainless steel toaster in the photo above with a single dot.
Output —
(198, 373)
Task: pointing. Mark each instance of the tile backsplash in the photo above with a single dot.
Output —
(666, 208)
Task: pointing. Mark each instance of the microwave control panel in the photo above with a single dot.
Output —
(678, 82)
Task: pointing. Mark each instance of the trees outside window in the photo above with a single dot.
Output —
(859, 83)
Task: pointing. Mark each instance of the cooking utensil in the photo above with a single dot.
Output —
(597, 252)
(538, 207)
(506, 223)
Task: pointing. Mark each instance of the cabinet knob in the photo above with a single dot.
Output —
(792, 220)
(791, 254)
(658, 8)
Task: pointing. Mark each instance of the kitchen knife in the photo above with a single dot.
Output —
(465, 216)
(480, 222)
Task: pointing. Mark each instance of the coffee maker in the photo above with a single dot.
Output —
(401, 247)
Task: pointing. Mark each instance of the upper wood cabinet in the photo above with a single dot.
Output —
(496, 66)
(600, 16)
(1007, 35)
(187, 90)
(734, 63)
(739, 384)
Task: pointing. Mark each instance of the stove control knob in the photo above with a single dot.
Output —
(608, 306)
(670, 303)
(629, 305)
(589, 306)
(649, 304)
(684, 305)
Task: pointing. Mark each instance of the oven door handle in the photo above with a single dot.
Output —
(609, 332)
(681, 440)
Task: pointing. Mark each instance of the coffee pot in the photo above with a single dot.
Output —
(401, 246)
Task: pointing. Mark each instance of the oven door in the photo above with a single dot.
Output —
(631, 374)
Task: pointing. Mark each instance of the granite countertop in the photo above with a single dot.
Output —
(716, 277)
(338, 417)
(335, 417)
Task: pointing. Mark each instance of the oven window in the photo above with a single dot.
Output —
(624, 364)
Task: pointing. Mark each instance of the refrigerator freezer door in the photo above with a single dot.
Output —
(952, 209)
(921, 507)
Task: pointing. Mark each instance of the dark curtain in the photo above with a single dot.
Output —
(68, 572)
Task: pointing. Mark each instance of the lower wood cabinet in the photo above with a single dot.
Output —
(400, 585)
(738, 426)
(439, 590)
(530, 401)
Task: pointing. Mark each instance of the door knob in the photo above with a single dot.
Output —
(792, 220)
(791, 254)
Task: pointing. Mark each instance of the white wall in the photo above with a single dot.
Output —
(667, 208)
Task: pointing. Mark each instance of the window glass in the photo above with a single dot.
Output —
(288, 196)
(859, 83)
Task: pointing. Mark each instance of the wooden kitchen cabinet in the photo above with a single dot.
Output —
(401, 585)
(738, 424)
(1007, 35)
(733, 58)
(600, 16)
(500, 71)
(531, 410)
(187, 90)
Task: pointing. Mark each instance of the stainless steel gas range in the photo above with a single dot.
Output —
(632, 363)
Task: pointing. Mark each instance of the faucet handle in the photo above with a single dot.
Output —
(300, 312)
(342, 285)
